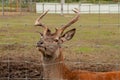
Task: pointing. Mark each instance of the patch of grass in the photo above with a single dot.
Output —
(20, 29)
(84, 49)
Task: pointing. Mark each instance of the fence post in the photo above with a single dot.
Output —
(3, 7)
(89, 8)
(55, 8)
(62, 2)
(68, 8)
(99, 22)
(79, 5)
(20, 7)
(118, 17)
(30, 5)
(43, 6)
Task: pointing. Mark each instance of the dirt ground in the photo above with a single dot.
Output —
(23, 61)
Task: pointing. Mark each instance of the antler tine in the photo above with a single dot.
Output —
(76, 10)
(61, 30)
(38, 22)
(73, 20)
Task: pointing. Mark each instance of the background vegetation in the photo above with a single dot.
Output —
(67, 1)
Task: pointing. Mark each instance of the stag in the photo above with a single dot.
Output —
(52, 57)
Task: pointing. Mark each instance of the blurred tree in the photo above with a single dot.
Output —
(68, 1)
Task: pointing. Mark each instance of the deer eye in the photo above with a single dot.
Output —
(56, 40)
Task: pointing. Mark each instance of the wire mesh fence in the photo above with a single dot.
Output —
(16, 7)
(19, 59)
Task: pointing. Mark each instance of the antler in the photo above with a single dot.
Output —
(61, 30)
(38, 22)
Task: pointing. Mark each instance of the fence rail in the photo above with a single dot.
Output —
(84, 8)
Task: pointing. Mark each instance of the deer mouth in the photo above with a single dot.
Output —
(43, 51)
(47, 56)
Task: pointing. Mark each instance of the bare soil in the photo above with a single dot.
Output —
(24, 62)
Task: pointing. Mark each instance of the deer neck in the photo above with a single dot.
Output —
(56, 69)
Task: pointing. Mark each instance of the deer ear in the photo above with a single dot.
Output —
(48, 32)
(41, 34)
(68, 35)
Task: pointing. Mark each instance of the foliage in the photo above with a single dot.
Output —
(24, 3)
(70, 1)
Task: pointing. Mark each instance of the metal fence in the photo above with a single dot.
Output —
(12, 69)
(17, 7)
(85, 8)
(32, 70)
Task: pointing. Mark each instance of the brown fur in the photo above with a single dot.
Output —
(86, 75)
(63, 72)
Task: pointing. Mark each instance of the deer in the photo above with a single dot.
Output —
(50, 46)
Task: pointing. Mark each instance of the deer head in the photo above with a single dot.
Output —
(50, 43)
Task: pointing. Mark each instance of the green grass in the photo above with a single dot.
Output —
(83, 49)
(88, 39)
